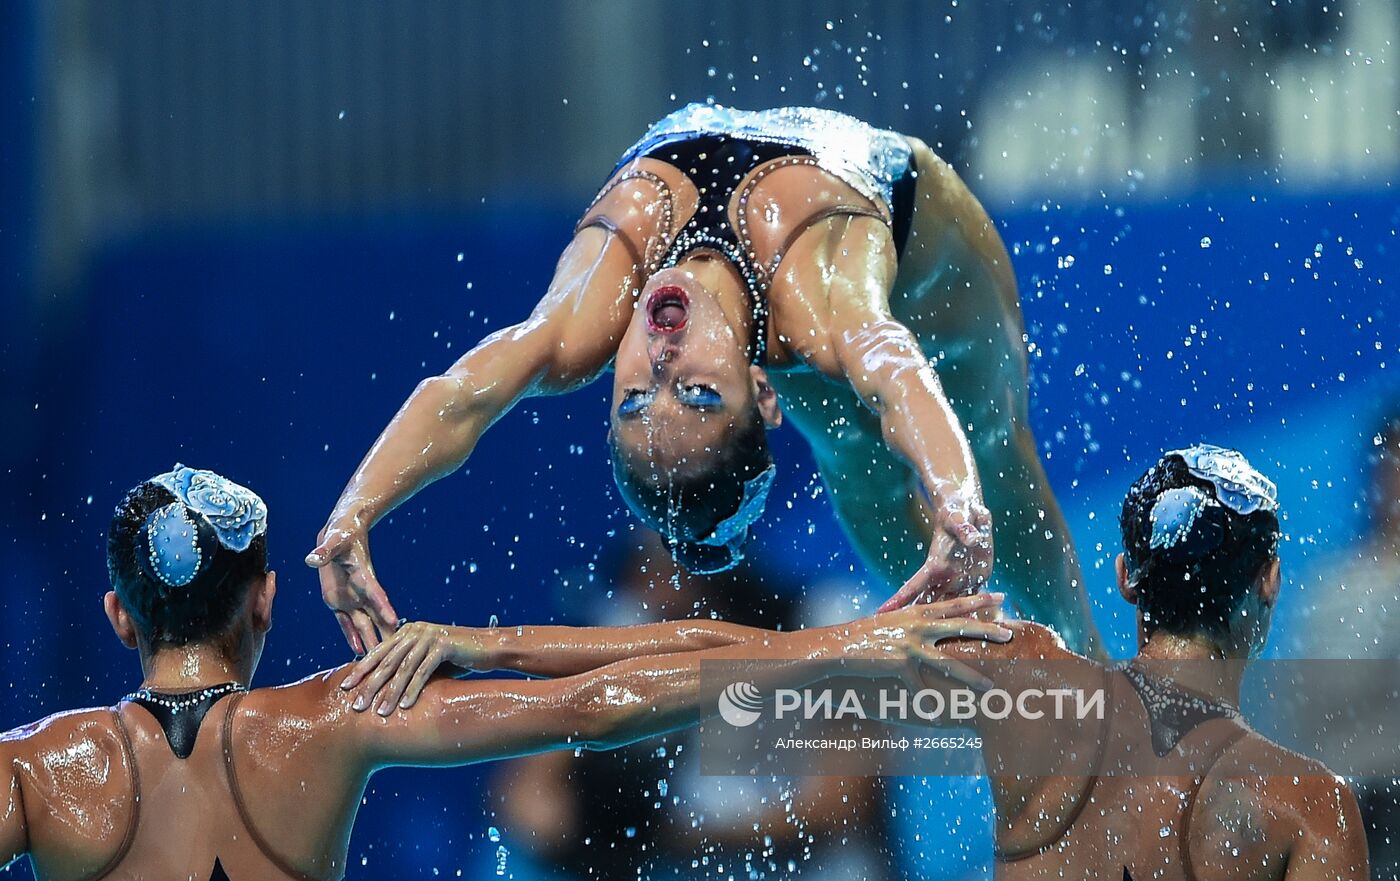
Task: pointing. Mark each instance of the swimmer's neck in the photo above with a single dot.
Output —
(192, 667)
(1195, 663)
(731, 297)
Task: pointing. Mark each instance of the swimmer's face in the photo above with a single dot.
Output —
(682, 377)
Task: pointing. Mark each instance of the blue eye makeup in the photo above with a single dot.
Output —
(634, 401)
(700, 396)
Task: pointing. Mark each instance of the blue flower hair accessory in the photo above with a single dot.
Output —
(734, 529)
(1183, 527)
(210, 510)
(723, 548)
(1238, 484)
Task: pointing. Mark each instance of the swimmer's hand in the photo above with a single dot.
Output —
(912, 635)
(393, 674)
(959, 559)
(350, 587)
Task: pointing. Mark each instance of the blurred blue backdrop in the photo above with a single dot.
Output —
(237, 237)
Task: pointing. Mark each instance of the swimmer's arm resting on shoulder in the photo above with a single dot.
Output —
(569, 338)
(458, 722)
(399, 667)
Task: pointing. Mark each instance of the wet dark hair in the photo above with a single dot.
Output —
(687, 504)
(1198, 584)
(198, 611)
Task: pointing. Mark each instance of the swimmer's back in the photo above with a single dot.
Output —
(1234, 824)
(1251, 811)
(103, 795)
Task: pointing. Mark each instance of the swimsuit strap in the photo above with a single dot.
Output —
(1184, 839)
(241, 805)
(129, 752)
(647, 255)
(1002, 855)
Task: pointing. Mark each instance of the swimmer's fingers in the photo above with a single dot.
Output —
(364, 627)
(375, 669)
(378, 607)
(961, 628)
(957, 671)
(958, 607)
(370, 596)
(928, 655)
(421, 653)
(346, 627)
(331, 545)
(420, 678)
(971, 534)
(933, 576)
(373, 661)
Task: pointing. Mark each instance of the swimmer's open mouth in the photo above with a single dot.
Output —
(667, 308)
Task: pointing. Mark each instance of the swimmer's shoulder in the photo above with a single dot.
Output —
(71, 776)
(58, 741)
(1029, 641)
(1034, 656)
(316, 700)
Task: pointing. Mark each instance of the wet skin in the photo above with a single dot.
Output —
(1093, 798)
(881, 366)
(1259, 812)
(1225, 804)
(301, 755)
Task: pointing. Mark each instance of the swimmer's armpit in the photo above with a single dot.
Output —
(394, 673)
(14, 830)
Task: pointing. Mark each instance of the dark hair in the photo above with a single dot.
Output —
(1198, 585)
(168, 615)
(687, 503)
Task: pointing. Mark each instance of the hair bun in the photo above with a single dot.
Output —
(1187, 524)
(177, 547)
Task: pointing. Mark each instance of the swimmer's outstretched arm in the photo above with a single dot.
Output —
(853, 260)
(397, 671)
(402, 664)
(456, 722)
(569, 338)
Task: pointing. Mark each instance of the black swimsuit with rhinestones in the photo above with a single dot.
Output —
(716, 164)
(1172, 712)
(180, 715)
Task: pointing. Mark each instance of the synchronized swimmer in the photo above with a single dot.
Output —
(734, 260)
